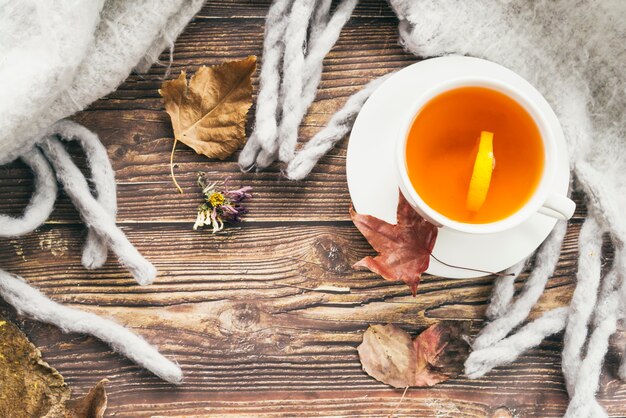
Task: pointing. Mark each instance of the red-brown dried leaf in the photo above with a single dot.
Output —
(440, 352)
(388, 354)
(92, 405)
(403, 249)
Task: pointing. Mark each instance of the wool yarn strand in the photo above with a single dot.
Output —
(265, 129)
(320, 19)
(587, 371)
(483, 360)
(318, 48)
(503, 291)
(33, 303)
(291, 87)
(282, 103)
(583, 300)
(338, 127)
(93, 214)
(41, 203)
(547, 258)
(95, 249)
(583, 402)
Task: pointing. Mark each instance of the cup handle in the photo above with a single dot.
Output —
(558, 206)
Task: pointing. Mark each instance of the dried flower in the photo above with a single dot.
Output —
(220, 205)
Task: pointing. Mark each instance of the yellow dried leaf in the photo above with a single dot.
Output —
(30, 387)
(208, 113)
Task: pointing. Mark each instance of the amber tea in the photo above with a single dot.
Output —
(444, 147)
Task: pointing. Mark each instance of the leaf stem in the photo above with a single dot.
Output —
(399, 403)
(172, 167)
(470, 269)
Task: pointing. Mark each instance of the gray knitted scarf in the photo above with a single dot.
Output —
(573, 52)
(72, 54)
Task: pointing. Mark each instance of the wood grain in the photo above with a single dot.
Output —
(237, 310)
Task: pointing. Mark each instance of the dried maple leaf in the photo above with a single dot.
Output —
(388, 354)
(209, 113)
(404, 248)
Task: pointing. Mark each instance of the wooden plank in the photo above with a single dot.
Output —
(234, 321)
(275, 261)
(239, 359)
(236, 309)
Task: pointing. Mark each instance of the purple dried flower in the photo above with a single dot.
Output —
(221, 206)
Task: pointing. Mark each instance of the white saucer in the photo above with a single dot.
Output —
(371, 171)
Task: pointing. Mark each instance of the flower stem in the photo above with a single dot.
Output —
(470, 269)
(172, 167)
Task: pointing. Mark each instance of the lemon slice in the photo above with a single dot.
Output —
(481, 175)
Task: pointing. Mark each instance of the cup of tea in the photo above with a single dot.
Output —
(478, 156)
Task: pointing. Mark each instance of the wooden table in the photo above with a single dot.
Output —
(228, 307)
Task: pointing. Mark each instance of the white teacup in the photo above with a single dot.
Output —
(543, 199)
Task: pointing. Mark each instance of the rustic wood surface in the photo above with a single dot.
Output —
(231, 308)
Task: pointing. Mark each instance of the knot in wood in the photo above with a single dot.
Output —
(239, 318)
(119, 151)
(503, 412)
(330, 255)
